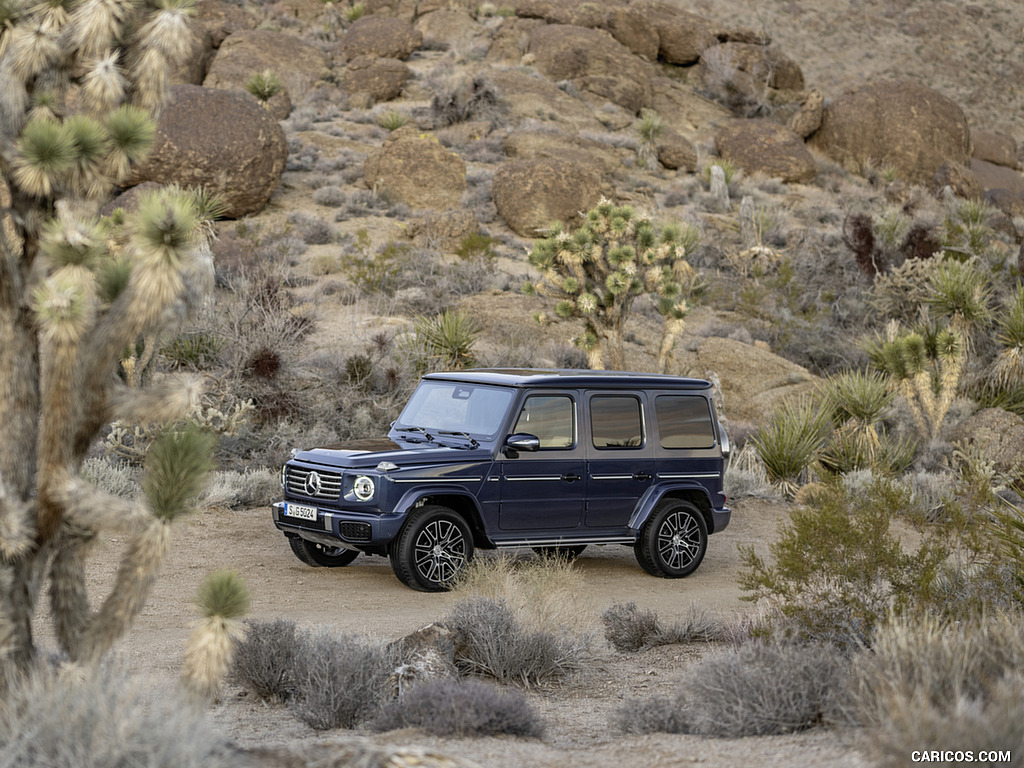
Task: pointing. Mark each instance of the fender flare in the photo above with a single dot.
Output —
(654, 495)
(409, 500)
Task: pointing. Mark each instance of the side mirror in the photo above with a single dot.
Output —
(522, 442)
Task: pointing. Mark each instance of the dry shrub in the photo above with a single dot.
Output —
(629, 629)
(264, 659)
(340, 680)
(100, 717)
(460, 709)
(658, 714)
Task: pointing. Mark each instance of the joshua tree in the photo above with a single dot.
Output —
(598, 270)
(80, 82)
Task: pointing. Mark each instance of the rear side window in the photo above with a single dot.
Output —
(684, 421)
(615, 422)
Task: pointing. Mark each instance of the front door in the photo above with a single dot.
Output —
(544, 489)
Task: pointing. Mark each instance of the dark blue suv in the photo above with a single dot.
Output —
(555, 460)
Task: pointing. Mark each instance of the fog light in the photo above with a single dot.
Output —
(363, 488)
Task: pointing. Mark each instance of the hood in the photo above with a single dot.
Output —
(369, 453)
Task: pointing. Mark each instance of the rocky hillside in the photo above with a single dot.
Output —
(401, 158)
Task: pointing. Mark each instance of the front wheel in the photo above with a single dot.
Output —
(673, 541)
(432, 550)
(318, 555)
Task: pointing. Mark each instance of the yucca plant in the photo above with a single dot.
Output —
(392, 120)
(597, 271)
(79, 88)
(650, 128)
(1008, 369)
(961, 292)
(354, 12)
(790, 443)
(448, 340)
(264, 85)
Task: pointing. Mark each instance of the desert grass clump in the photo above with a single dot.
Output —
(460, 709)
(630, 629)
(340, 680)
(392, 119)
(264, 85)
(264, 659)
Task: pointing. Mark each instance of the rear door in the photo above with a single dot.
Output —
(620, 457)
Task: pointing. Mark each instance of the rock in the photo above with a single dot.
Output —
(903, 125)
(676, 152)
(992, 176)
(680, 106)
(447, 26)
(536, 145)
(997, 434)
(380, 79)
(763, 67)
(529, 96)
(759, 146)
(1006, 201)
(531, 195)
(297, 64)
(192, 69)
(807, 118)
(634, 30)
(959, 178)
(444, 230)
(223, 140)
(994, 147)
(682, 36)
(571, 12)
(223, 19)
(594, 61)
(380, 36)
(416, 170)
(754, 380)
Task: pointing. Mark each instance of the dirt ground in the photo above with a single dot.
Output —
(365, 598)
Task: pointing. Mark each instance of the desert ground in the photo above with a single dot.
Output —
(366, 599)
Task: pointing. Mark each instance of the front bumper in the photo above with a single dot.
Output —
(339, 527)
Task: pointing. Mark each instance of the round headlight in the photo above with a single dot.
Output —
(363, 488)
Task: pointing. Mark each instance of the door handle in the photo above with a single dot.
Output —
(571, 477)
(641, 476)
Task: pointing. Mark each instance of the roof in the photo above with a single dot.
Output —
(569, 377)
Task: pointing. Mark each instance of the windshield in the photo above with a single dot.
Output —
(454, 407)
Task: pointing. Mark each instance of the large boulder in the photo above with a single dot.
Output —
(903, 125)
(416, 170)
(531, 195)
(755, 381)
(994, 147)
(594, 61)
(997, 434)
(297, 64)
(992, 176)
(381, 36)
(537, 145)
(380, 79)
(759, 146)
(447, 26)
(676, 152)
(683, 108)
(682, 36)
(527, 96)
(755, 68)
(224, 141)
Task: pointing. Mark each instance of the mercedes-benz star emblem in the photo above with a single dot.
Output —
(313, 484)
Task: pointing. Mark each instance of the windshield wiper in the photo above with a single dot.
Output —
(465, 436)
(420, 430)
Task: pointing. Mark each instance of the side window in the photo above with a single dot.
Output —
(615, 422)
(550, 418)
(684, 421)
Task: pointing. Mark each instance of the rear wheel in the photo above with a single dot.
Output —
(565, 553)
(673, 541)
(317, 555)
(432, 550)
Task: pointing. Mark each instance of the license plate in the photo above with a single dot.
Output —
(301, 511)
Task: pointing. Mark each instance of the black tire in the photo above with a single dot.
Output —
(432, 550)
(566, 553)
(673, 541)
(319, 555)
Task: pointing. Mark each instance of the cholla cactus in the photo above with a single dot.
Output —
(79, 83)
(598, 270)
(924, 368)
(222, 600)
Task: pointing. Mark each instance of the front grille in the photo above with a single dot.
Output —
(316, 484)
(355, 531)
